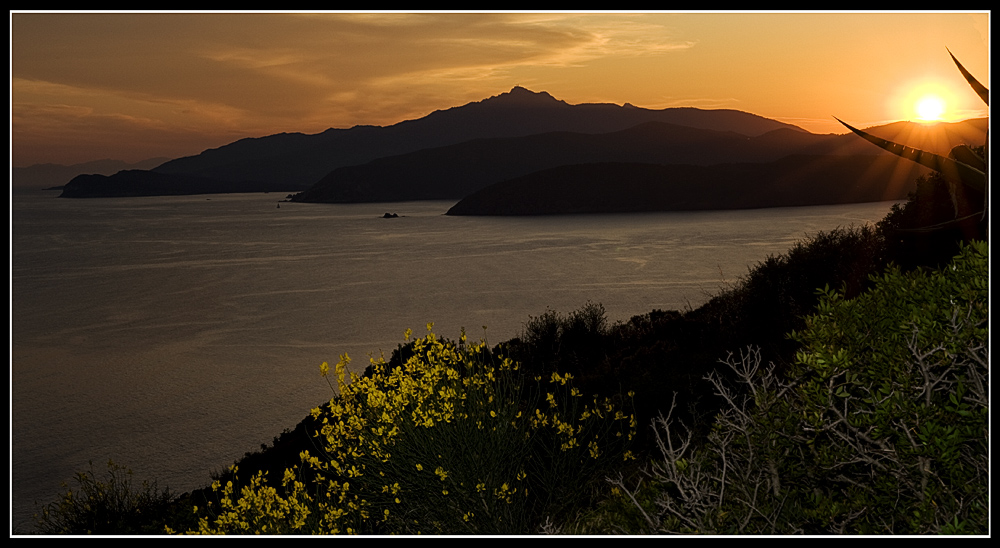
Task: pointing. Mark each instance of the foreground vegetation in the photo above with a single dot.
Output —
(870, 416)
(838, 388)
(880, 427)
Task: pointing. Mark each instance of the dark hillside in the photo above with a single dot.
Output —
(618, 188)
(148, 183)
(455, 171)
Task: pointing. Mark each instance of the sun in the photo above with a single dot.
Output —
(926, 100)
(930, 108)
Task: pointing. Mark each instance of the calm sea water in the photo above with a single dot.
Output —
(173, 334)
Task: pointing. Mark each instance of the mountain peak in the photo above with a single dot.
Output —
(524, 91)
(522, 96)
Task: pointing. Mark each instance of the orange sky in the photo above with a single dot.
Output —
(129, 86)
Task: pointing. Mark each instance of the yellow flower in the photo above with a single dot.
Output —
(442, 384)
(561, 380)
(594, 453)
(569, 445)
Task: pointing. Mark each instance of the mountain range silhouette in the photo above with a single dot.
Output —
(452, 153)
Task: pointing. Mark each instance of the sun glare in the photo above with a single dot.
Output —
(930, 108)
(927, 101)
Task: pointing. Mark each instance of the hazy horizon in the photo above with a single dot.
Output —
(133, 86)
(141, 161)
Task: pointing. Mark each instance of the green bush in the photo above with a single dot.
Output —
(881, 426)
(895, 387)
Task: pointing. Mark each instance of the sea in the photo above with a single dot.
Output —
(174, 334)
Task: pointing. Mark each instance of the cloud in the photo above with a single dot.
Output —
(253, 74)
(447, 60)
(286, 72)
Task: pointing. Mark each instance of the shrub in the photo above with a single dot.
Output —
(111, 506)
(574, 343)
(929, 227)
(453, 440)
(896, 389)
(881, 427)
(776, 293)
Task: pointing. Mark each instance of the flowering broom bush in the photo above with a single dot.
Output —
(453, 441)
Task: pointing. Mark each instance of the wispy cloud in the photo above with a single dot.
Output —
(253, 74)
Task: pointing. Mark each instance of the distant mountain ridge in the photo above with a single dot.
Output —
(296, 161)
(455, 171)
(299, 159)
(452, 153)
(55, 175)
(134, 182)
